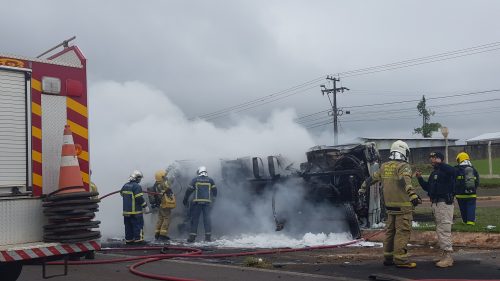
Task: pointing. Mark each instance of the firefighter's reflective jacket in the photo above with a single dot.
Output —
(166, 199)
(204, 189)
(133, 198)
(396, 181)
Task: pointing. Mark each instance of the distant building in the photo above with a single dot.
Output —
(385, 143)
(484, 139)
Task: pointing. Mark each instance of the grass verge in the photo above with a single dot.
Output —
(485, 216)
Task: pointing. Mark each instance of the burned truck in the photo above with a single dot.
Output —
(331, 177)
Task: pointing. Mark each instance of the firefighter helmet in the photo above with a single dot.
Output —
(160, 175)
(400, 150)
(202, 171)
(135, 176)
(462, 156)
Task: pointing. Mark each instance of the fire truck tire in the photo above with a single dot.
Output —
(352, 221)
(10, 271)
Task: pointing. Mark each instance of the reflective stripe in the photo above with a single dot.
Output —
(138, 195)
(388, 254)
(471, 223)
(202, 200)
(463, 196)
(132, 213)
(127, 192)
(398, 204)
(403, 256)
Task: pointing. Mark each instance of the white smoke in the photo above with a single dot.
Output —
(135, 126)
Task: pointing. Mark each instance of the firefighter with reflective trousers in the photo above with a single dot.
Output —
(134, 206)
(400, 200)
(466, 183)
(205, 191)
(166, 202)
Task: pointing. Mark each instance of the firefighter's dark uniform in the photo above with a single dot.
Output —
(205, 191)
(395, 176)
(133, 203)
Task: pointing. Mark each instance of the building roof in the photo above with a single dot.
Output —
(485, 137)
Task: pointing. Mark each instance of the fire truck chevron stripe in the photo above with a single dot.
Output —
(36, 109)
(36, 132)
(41, 252)
(36, 84)
(77, 107)
(37, 156)
(79, 130)
(23, 254)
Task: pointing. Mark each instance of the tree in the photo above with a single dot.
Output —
(427, 128)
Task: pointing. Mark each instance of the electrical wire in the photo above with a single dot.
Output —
(362, 71)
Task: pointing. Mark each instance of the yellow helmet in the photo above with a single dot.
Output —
(160, 175)
(462, 156)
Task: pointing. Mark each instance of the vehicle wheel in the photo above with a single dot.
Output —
(352, 221)
(10, 271)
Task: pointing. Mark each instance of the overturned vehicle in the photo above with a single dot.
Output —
(321, 195)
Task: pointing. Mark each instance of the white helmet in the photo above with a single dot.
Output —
(400, 151)
(135, 176)
(202, 171)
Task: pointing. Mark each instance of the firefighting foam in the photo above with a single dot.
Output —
(144, 130)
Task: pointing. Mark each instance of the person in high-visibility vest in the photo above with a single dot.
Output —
(400, 201)
(205, 191)
(166, 204)
(466, 183)
(134, 206)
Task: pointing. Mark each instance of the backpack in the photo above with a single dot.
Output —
(470, 180)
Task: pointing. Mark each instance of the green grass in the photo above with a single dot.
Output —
(483, 168)
(484, 216)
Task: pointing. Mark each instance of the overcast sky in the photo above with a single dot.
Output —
(208, 55)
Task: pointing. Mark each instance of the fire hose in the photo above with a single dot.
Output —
(191, 253)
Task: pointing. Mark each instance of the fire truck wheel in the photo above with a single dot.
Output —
(352, 221)
(10, 271)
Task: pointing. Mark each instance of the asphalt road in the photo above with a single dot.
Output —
(353, 263)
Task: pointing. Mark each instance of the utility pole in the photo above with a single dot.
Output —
(335, 111)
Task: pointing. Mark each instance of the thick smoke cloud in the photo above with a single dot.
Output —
(135, 126)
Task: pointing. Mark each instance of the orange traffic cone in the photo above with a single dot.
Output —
(70, 178)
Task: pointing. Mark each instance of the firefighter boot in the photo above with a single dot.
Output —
(388, 261)
(446, 261)
(208, 238)
(406, 265)
(191, 238)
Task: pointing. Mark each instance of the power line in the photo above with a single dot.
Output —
(363, 71)
(403, 101)
(404, 117)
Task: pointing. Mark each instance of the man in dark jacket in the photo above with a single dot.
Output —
(134, 206)
(440, 188)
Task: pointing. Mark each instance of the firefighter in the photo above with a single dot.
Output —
(166, 204)
(466, 183)
(134, 206)
(400, 200)
(205, 192)
(440, 188)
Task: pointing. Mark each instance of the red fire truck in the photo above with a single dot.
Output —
(38, 97)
